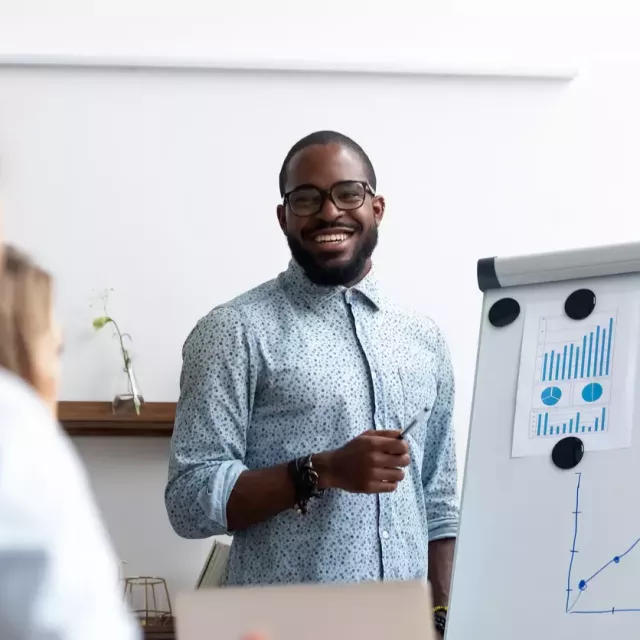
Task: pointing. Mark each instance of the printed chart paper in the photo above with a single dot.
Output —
(576, 378)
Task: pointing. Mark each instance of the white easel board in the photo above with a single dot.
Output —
(547, 552)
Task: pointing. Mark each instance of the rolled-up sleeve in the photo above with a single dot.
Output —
(439, 471)
(208, 445)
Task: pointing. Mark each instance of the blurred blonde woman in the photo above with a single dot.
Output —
(58, 576)
(58, 573)
(30, 338)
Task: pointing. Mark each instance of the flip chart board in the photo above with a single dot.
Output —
(549, 541)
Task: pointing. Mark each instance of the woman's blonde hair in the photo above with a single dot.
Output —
(26, 296)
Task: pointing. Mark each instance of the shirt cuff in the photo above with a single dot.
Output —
(443, 528)
(214, 497)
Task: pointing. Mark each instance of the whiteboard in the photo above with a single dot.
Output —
(545, 552)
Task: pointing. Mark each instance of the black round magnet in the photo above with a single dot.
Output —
(504, 312)
(580, 304)
(567, 453)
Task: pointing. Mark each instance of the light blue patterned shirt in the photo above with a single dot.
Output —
(292, 368)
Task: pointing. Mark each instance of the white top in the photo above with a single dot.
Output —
(58, 575)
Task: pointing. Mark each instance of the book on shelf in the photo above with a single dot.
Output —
(215, 567)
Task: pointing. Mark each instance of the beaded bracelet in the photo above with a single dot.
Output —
(305, 480)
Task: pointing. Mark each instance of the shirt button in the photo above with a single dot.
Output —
(385, 535)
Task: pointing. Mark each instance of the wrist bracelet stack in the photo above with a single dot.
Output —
(440, 618)
(305, 481)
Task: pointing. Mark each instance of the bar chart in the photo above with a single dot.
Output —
(575, 351)
(577, 378)
(592, 420)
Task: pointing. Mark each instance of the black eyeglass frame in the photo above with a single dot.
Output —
(326, 193)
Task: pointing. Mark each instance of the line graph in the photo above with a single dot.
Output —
(573, 594)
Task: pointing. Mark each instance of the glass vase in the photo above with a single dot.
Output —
(129, 399)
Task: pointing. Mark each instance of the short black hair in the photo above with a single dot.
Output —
(327, 137)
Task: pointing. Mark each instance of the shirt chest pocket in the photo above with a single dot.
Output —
(291, 390)
(322, 393)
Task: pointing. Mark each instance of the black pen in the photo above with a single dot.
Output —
(412, 424)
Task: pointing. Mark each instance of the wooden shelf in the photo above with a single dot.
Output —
(97, 419)
(163, 632)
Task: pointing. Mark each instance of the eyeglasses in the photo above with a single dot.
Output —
(347, 195)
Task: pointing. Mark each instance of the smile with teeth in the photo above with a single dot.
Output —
(332, 237)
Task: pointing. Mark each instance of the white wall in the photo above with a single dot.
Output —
(96, 160)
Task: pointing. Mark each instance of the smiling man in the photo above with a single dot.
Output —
(293, 396)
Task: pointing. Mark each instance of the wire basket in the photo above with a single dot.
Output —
(149, 600)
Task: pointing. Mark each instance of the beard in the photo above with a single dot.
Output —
(335, 276)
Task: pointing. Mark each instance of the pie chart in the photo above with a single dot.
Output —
(551, 396)
(592, 392)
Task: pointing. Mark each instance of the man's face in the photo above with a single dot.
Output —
(334, 245)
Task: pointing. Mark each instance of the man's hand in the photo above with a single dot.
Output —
(371, 463)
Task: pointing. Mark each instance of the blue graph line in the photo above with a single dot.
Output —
(575, 539)
(582, 585)
(611, 611)
(615, 560)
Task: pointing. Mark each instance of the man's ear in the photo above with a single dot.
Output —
(282, 217)
(379, 205)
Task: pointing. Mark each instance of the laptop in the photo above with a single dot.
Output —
(371, 611)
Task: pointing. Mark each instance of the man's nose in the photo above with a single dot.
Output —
(329, 212)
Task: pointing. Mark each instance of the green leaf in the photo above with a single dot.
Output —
(101, 322)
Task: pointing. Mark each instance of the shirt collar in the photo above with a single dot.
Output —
(295, 279)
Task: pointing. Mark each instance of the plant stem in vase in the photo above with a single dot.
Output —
(132, 400)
